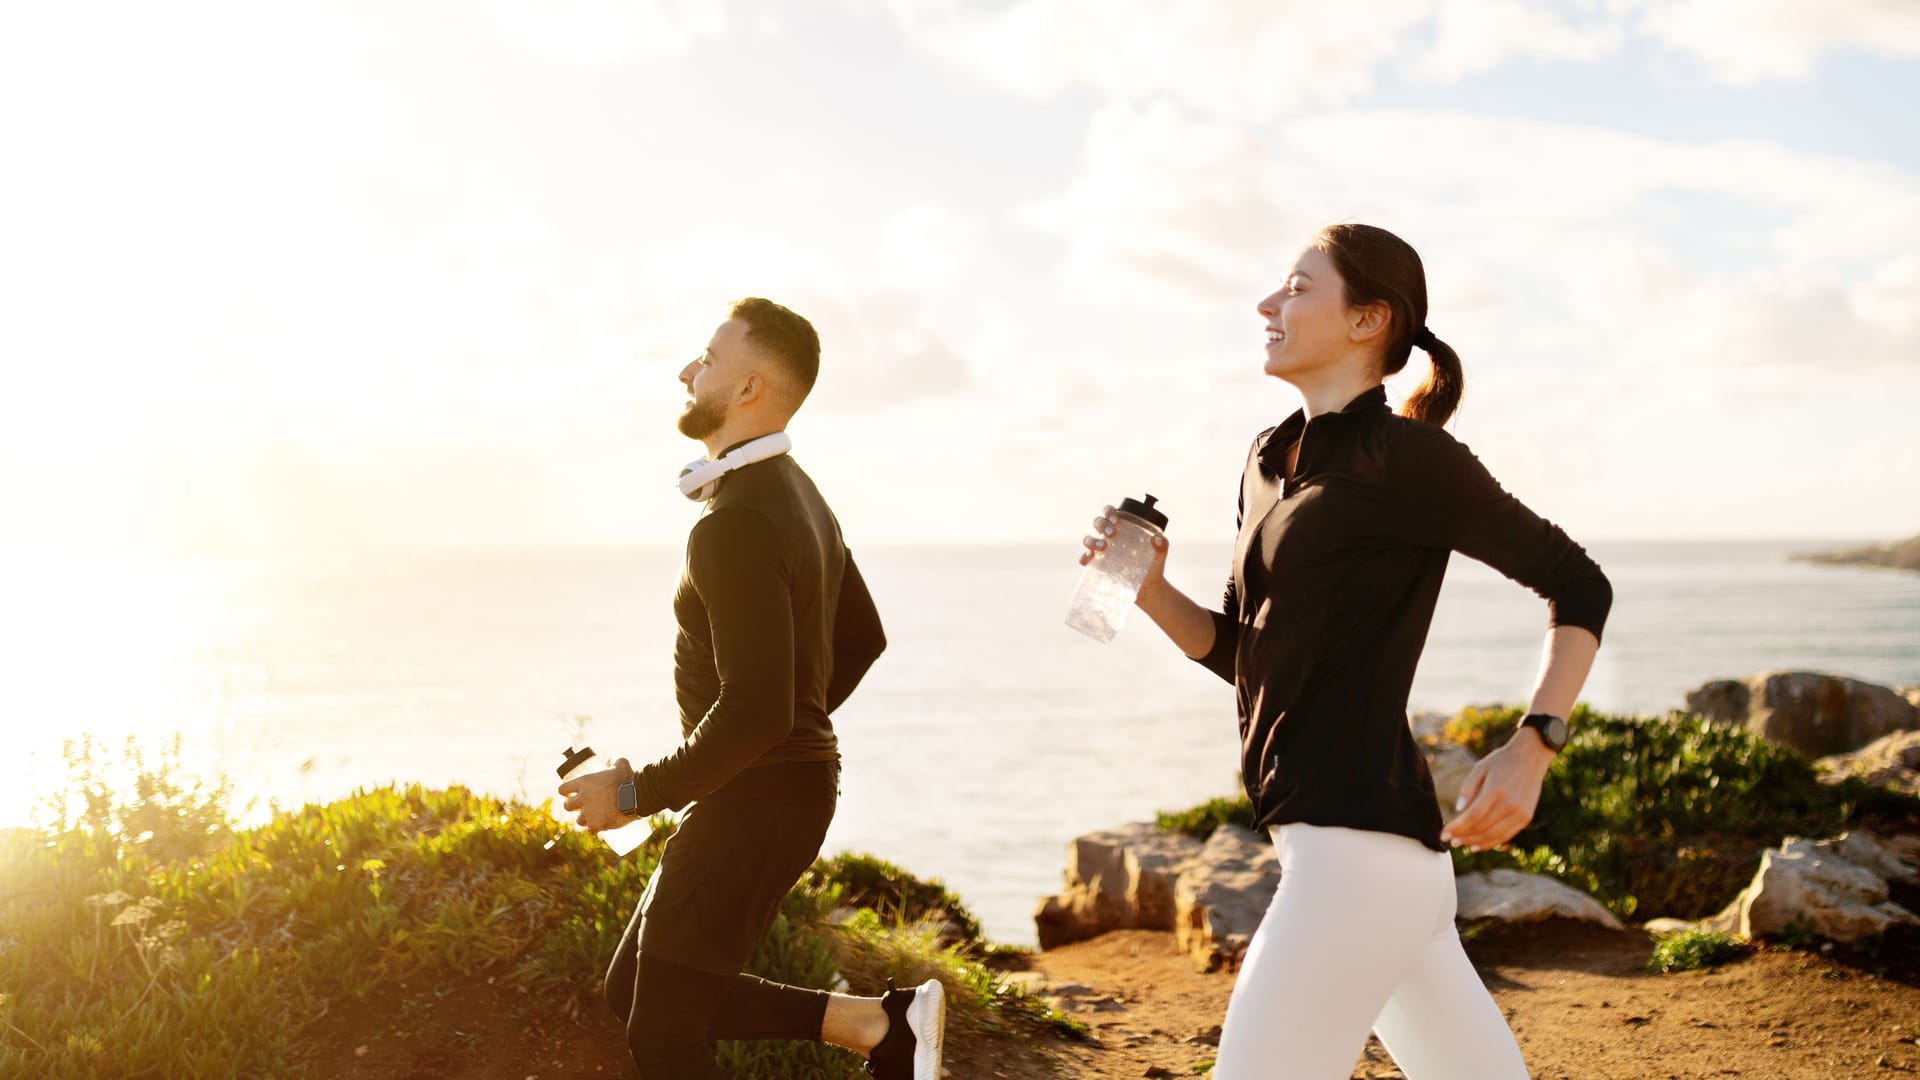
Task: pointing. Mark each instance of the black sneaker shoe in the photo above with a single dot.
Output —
(916, 1030)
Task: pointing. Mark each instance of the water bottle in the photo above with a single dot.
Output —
(1112, 580)
(582, 761)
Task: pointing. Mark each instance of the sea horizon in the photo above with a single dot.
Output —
(980, 745)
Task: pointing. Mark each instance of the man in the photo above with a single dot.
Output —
(776, 629)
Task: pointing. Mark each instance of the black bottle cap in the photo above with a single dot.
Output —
(575, 758)
(1144, 511)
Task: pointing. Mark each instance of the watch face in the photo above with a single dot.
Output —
(1556, 732)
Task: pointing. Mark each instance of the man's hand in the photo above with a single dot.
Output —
(592, 795)
(1501, 793)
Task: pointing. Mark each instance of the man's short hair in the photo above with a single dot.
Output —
(785, 336)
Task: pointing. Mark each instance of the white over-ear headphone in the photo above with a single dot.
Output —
(700, 480)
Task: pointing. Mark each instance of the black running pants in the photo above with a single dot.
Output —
(675, 978)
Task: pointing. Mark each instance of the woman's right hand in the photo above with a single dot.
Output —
(1096, 545)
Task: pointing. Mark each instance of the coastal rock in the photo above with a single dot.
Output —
(1513, 896)
(1896, 858)
(1221, 897)
(1669, 927)
(1893, 761)
(1429, 727)
(1450, 766)
(1817, 884)
(1904, 555)
(1117, 879)
(1806, 711)
(1726, 702)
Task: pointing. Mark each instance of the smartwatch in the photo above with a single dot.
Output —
(1552, 729)
(626, 797)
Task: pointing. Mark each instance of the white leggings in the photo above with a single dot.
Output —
(1360, 935)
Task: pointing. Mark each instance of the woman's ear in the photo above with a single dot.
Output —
(1369, 323)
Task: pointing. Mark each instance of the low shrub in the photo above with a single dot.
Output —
(1691, 950)
(1200, 821)
(877, 885)
(156, 939)
(1655, 816)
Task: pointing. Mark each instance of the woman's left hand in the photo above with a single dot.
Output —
(1500, 794)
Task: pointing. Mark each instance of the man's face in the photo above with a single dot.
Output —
(713, 378)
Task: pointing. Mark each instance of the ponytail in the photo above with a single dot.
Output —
(1437, 397)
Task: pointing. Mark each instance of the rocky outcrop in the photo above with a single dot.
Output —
(1449, 763)
(1450, 766)
(1815, 714)
(1901, 556)
(1513, 896)
(1429, 727)
(1120, 879)
(1221, 897)
(1892, 762)
(1835, 888)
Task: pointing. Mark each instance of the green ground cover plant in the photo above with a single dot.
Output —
(1691, 950)
(142, 933)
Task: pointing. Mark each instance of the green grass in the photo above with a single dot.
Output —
(1691, 950)
(872, 883)
(1200, 821)
(1654, 816)
(140, 933)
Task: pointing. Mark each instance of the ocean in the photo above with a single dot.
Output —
(986, 738)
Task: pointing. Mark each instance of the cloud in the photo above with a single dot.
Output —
(926, 245)
(1254, 58)
(1260, 59)
(608, 32)
(1644, 320)
(1749, 41)
(880, 348)
(1553, 235)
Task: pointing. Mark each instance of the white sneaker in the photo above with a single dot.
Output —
(916, 1033)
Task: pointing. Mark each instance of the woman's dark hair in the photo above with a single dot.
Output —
(1381, 268)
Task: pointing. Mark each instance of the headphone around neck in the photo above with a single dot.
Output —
(700, 480)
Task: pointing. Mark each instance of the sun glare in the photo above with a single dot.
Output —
(103, 646)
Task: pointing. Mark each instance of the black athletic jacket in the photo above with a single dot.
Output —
(776, 629)
(1334, 581)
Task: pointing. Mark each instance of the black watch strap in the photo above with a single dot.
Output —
(1552, 729)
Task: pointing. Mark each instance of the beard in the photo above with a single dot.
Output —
(701, 418)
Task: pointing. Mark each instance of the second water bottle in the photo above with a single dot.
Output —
(1112, 580)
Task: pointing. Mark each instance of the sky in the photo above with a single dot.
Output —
(278, 278)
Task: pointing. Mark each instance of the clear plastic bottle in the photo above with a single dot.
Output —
(582, 761)
(1112, 580)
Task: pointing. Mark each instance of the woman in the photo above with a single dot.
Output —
(1348, 515)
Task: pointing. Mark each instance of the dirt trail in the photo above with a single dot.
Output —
(1578, 997)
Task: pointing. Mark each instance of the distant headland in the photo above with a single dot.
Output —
(1904, 555)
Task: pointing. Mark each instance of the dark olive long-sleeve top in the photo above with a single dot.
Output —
(776, 630)
(1335, 575)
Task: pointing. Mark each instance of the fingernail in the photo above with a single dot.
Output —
(1100, 543)
(1460, 804)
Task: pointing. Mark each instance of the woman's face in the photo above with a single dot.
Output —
(1307, 320)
